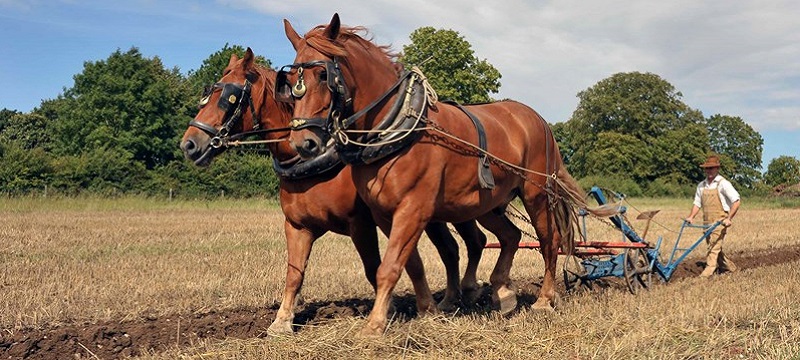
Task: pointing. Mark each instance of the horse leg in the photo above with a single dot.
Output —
(503, 296)
(549, 238)
(407, 227)
(298, 247)
(365, 239)
(422, 292)
(448, 250)
(475, 240)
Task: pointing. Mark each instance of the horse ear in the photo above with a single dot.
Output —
(248, 58)
(332, 31)
(233, 59)
(292, 35)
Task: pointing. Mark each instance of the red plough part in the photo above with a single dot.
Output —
(583, 248)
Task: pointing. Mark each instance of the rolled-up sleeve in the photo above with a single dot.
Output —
(698, 194)
(729, 193)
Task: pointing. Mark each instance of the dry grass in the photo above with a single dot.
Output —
(72, 260)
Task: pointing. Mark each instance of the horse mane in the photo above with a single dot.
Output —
(317, 39)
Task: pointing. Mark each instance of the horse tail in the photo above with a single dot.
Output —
(573, 193)
(570, 199)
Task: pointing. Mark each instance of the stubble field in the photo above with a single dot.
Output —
(89, 278)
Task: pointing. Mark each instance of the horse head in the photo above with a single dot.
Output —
(239, 104)
(323, 87)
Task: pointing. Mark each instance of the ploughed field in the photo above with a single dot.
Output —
(90, 278)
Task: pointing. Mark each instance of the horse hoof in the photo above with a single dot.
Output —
(371, 332)
(448, 306)
(470, 296)
(429, 310)
(278, 328)
(543, 305)
(506, 300)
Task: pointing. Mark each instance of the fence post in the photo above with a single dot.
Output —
(170, 194)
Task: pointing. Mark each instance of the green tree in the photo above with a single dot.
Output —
(5, 115)
(561, 132)
(663, 136)
(124, 102)
(622, 155)
(29, 131)
(783, 170)
(733, 137)
(22, 170)
(449, 63)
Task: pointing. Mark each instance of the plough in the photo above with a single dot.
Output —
(635, 260)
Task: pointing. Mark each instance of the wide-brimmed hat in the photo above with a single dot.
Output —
(712, 161)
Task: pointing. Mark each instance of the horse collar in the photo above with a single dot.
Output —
(396, 130)
(301, 169)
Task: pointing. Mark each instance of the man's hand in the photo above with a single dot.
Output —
(726, 222)
(689, 219)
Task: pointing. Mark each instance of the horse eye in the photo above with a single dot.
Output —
(323, 76)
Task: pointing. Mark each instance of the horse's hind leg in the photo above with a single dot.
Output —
(448, 250)
(298, 247)
(422, 292)
(549, 238)
(475, 241)
(503, 296)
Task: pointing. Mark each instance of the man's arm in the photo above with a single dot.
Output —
(732, 213)
(695, 210)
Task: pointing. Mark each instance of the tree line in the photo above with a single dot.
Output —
(116, 131)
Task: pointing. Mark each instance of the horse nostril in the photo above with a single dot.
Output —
(189, 145)
(310, 146)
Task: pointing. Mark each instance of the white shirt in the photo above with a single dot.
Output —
(726, 192)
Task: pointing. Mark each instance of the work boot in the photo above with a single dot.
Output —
(707, 272)
(728, 266)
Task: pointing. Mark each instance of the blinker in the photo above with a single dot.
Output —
(231, 95)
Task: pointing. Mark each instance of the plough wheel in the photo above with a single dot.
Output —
(574, 272)
(636, 270)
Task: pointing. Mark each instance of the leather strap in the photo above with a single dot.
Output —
(485, 177)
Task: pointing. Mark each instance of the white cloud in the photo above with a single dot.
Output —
(736, 58)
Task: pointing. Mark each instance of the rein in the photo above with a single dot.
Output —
(233, 140)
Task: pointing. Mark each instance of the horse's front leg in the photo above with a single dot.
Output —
(298, 247)
(407, 227)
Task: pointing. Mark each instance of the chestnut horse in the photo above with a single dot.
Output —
(343, 87)
(312, 206)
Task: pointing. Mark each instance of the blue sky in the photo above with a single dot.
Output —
(737, 58)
